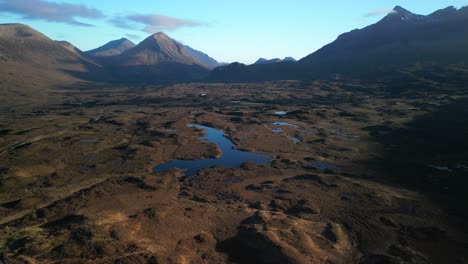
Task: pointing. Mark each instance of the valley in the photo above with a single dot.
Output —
(155, 152)
(94, 195)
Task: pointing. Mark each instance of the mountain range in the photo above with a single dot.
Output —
(28, 55)
(401, 39)
(276, 60)
(158, 58)
(112, 48)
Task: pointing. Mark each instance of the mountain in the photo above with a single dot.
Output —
(289, 59)
(27, 56)
(21, 44)
(276, 60)
(112, 48)
(401, 39)
(158, 58)
(265, 61)
(70, 47)
(209, 62)
(156, 49)
(25, 50)
(31, 65)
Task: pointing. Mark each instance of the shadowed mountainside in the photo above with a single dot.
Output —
(276, 60)
(401, 39)
(31, 64)
(207, 61)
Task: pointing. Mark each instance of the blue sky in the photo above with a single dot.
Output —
(241, 30)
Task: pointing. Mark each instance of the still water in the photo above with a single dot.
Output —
(230, 157)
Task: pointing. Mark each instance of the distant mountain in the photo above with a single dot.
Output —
(265, 61)
(24, 49)
(69, 47)
(276, 60)
(159, 57)
(112, 48)
(31, 65)
(230, 72)
(209, 62)
(156, 49)
(401, 39)
(289, 59)
(21, 44)
(26, 54)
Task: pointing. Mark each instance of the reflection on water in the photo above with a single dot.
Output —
(284, 124)
(321, 166)
(281, 113)
(230, 157)
(296, 140)
(277, 130)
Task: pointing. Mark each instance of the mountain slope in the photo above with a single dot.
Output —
(31, 65)
(112, 48)
(70, 47)
(207, 61)
(401, 39)
(156, 49)
(22, 44)
(157, 58)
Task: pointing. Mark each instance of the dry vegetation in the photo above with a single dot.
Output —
(77, 184)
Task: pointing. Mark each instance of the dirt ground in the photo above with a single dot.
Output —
(368, 179)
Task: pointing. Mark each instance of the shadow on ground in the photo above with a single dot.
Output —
(431, 155)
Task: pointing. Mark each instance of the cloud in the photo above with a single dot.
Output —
(132, 36)
(50, 11)
(122, 22)
(379, 12)
(153, 23)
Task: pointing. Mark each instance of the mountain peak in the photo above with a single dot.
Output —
(122, 40)
(157, 38)
(112, 48)
(402, 12)
(17, 30)
(160, 48)
(266, 61)
(160, 35)
(289, 59)
(400, 15)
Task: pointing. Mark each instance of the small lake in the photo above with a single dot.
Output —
(230, 157)
(280, 113)
(284, 124)
(321, 166)
(296, 140)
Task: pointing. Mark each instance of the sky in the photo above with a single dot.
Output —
(241, 30)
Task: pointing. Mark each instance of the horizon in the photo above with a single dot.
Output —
(203, 26)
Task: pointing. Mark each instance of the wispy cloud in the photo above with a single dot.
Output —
(132, 36)
(379, 12)
(50, 11)
(122, 22)
(153, 23)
